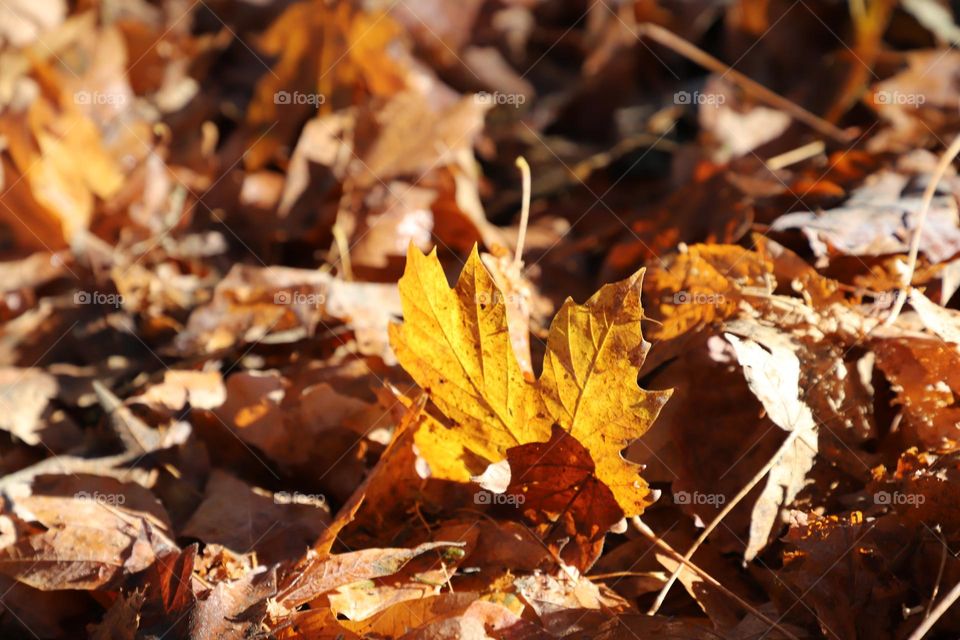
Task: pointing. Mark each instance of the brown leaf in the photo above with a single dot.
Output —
(554, 484)
(345, 568)
(95, 531)
(277, 526)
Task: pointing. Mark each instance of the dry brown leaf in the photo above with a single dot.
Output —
(554, 484)
(772, 370)
(277, 526)
(95, 531)
(345, 568)
(280, 304)
(924, 376)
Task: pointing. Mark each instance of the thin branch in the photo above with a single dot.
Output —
(647, 532)
(945, 160)
(524, 212)
(696, 54)
(946, 603)
(793, 435)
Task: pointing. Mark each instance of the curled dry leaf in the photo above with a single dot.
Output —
(774, 377)
(878, 219)
(702, 285)
(278, 304)
(84, 532)
(338, 570)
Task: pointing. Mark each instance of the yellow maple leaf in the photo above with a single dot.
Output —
(456, 346)
(589, 383)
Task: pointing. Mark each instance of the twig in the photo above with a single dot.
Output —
(794, 156)
(793, 435)
(343, 248)
(936, 584)
(945, 160)
(692, 52)
(524, 212)
(650, 535)
(937, 613)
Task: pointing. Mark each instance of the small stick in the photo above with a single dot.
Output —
(524, 212)
(793, 435)
(945, 160)
(343, 248)
(652, 537)
(794, 156)
(939, 610)
(699, 56)
(936, 584)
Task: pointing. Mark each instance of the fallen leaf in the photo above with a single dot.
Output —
(96, 531)
(774, 377)
(554, 484)
(277, 526)
(455, 343)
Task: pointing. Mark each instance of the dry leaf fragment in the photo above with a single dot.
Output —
(702, 284)
(401, 618)
(201, 389)
(925, 376)
(21, 22)
(341, 569)
(877, 219)
(774, 377)
(944, 323)
(568, 603)
(122, 619)
(244, 519)
(282, 304)
(844, 566)
(24, 396)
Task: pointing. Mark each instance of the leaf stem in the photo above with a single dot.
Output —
(694, 53)
(524, 211)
